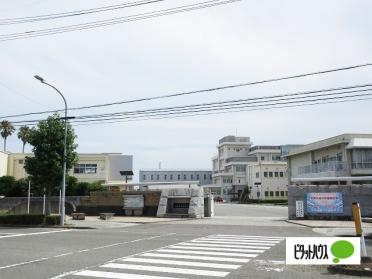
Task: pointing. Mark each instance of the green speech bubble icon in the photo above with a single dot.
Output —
(342, 249)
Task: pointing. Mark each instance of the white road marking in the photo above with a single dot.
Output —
(228, 242)
(189, 257)
(215, 249)
(29, 234)
(114, 275)
(23, 263)
(224, 246)
(248, 236)
(208, 253)
(243, 241)
(167, 269)
(183, 263)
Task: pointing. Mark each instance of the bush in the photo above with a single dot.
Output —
(274, 201)
(22, 219)
(52, 220)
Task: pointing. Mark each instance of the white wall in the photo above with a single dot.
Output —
(3, 163)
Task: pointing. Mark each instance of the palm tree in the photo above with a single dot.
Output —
(23, 135)
(6, 130)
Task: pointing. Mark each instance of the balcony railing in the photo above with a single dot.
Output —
(334, 168)
(361, 165)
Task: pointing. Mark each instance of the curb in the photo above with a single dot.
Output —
(341, 269)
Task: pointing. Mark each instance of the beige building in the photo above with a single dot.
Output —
(3, 163)
(343, 159)
(239, 166)
(90, 167)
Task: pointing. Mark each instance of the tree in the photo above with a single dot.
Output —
(46, 166)
(23, 135)
(6, 130)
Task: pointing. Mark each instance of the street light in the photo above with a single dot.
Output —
(62, 222)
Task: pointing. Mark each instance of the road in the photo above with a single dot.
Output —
(242, 241)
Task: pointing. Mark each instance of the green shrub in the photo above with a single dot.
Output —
(274, 201)
(52, 219)
(22, 219)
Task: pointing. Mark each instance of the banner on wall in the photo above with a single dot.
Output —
(324, 203)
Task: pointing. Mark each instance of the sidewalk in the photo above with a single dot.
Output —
(327, 224)
(118, 221)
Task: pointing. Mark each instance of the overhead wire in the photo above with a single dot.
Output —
(208, 90)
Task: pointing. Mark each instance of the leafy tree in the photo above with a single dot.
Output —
(46, 167)
(23, 135)
(10, 187)
(6, 130)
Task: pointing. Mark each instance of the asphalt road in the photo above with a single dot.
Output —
(242, 241)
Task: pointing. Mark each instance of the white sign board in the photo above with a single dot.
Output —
(133, 201)
(323, 250)
(300, 209)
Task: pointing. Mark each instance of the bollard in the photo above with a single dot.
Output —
(358, 228)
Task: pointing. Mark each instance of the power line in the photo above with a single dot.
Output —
(113, 21)
(209, 90)
(19, 20)
(226, 105)
(223, 112)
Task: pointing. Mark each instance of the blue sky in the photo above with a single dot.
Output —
(240, 42)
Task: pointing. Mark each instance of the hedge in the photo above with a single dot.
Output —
(29, 219)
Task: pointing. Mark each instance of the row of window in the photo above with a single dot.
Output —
(274, 158)
(271, 174)
(277, 193)
(171, 177)
(85, 168)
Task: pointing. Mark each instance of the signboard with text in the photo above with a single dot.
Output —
(324, 203)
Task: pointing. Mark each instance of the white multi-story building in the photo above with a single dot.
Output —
(239, 167)
(201, 177)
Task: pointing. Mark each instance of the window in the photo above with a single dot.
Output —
(286, 193)
(277, 193)
(165, 177)
(157, 177)
(262, 158)
(210, 177)
(270, 174)
(192, 177)
(205, 177)
(282, 193)
(184, 177)
(240, 168)
(271, 193)
(265, 174)
(20, 162)
(85, 168)
(266, 193)
(152, 177)
(276, 174)
(197, 176)
(179, 177)
(257, 175)
(281, 174)
(144, 177)
(171, 177)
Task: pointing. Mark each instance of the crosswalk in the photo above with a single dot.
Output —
(210, 256)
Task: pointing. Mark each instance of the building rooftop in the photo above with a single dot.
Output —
(344, 138)
(176, 170)
(234, 139)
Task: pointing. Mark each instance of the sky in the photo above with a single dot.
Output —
(240, 42)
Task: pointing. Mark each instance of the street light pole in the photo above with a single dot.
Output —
(62, 221)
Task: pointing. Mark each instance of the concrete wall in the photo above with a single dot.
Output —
(353, 193)
(3, 163)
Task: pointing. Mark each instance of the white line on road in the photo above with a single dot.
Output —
(114, 275)
(215, 249)
(224, 246)
(167, 269)
(37, 233)
(18, 264)
(183, 263)
(242, 240)
(208, 253)
(189, 257)
(228, 242)
(248, 236)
